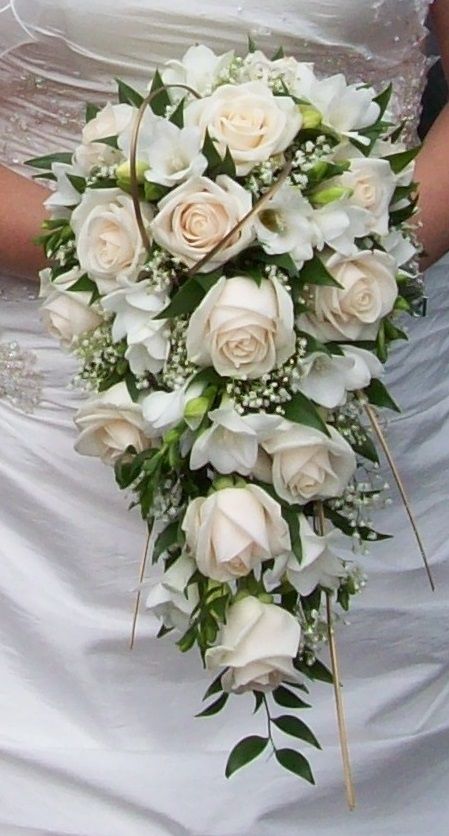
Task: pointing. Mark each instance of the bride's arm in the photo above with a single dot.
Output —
(21, 214)
(432, 165)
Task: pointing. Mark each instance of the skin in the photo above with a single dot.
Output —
(22, 213)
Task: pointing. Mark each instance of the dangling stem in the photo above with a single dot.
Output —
(341, 721)
(141, 577)
(374, 421)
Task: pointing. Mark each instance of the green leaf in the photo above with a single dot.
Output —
(162, 101)
(296, 728)
(84, 283)
(288, 699)
(127, 94)
(227, 166)
(177, 116)
(215, 687)
(317, 671)
(252, 46)
(208, 376)
(168, 537)
(399, 216)
(292, 520)
(259, 698)
(48, 159)
(154, 191)
(284, 261)
(246, 750)
(210, 152)
(383, 99)
(44, 175)
(78, 183)
(302, 411)
(296, 763)
(278, 54)
(366, 448)
(91, 111)
(164, 631)
(215, 707)
(314, 272)
(189, 295)
(392, 332)
(402, 159)
(187, 641)
(131, 386)
(345, 526)
(378, 394)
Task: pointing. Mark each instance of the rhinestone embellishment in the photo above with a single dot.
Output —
(20, 382)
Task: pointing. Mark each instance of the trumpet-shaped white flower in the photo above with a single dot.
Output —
(231, 444)
(200, 69)
(326, 379)
(285, 225)
(169, 597)
(163, 410)
(347, 108)
(174, 155)
(135, 308)
(319, 564)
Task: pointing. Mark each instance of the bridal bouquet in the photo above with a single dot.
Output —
(229, 256)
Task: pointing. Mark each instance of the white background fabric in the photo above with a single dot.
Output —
(98, 741)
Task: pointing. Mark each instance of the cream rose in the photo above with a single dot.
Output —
(109, 423)
(368, 292)
(68, 315)
(196, 216)
(372, 183)
(248, 119)
(307, 464)
(233, 530)
(108, 241)
(243, 329)
(257, 645)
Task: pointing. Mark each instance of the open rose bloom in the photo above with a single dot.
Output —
(230, 279)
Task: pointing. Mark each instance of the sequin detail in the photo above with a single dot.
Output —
(20, 382)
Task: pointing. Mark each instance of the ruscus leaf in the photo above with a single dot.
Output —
(288, 699)
(296, 728)
(215, 707)
(295, 762)
(244, 752)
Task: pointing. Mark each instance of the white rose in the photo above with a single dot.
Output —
(231, 444)
(233, 530)
(372, 183)
(307, 464)
(68, 315)
(197, 215)
(243, 329)
(108, 241)
(319, 564)
(248, 119)
(368, 292)
(135, 307)
(109, 422)
(326, 379)
(200, 69)
(170, 599)
(257, 645)
(109, 121)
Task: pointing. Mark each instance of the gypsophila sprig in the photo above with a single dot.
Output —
(231, 293)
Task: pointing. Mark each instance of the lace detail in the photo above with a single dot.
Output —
(20, 382)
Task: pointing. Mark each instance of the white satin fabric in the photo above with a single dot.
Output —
(100, 741)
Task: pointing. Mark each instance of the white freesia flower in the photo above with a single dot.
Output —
(68, 315)
(231, 443)
(372, 183)
(109, 422)
(354, 311)
(399, 247)
(307, 464)
(319, 564)
(197, 215)
(135, 307)
(199, 69)
(174, 155)
(163, 410)
(169, 597)
(285, 225)
(108, 240)
(65, 194)
(338, 224)
(248, 119)
(230, 532)
(243, 329)
(109, 121)
(347, 108)
(326, 379)
(93, 154)
(64, 281)
(257, 645)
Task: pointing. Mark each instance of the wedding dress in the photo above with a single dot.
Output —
(100, 741)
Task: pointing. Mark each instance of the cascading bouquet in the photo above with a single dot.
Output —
(229, 256)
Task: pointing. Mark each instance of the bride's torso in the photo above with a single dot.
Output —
(57, 54)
